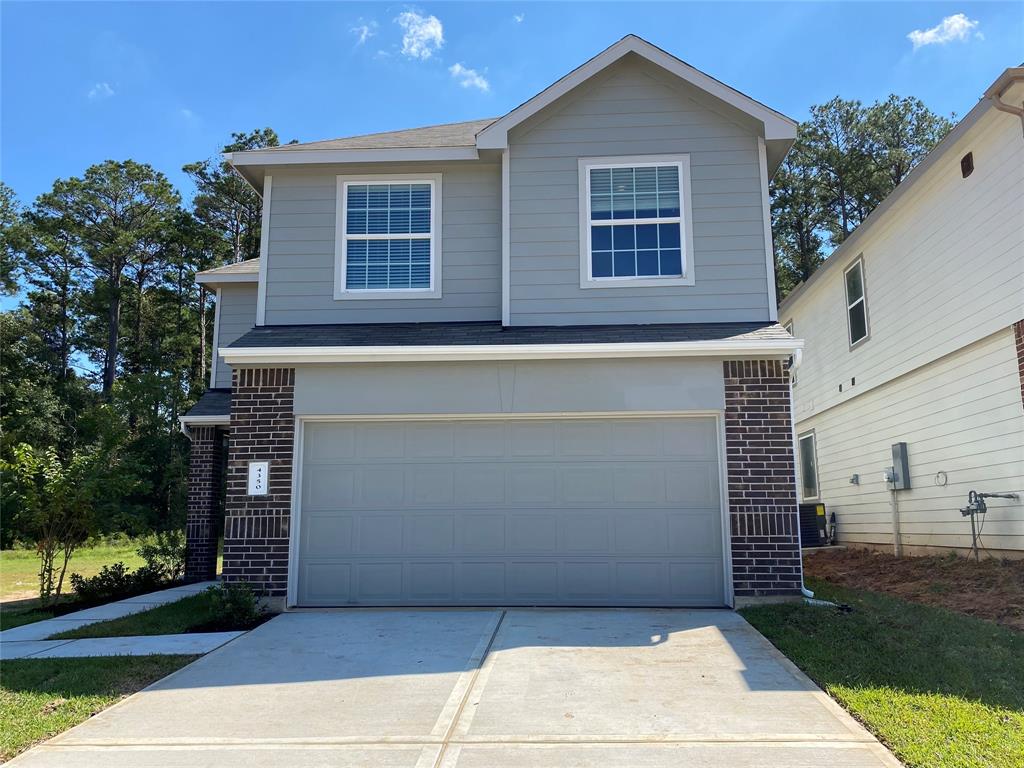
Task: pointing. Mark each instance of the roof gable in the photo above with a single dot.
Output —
(779, 130)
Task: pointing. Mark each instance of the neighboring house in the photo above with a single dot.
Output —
(531, 360)
(914, 335)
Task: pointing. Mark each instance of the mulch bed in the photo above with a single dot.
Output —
(991, 589)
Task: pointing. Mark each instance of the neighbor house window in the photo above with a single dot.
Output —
(634, 228)
(856, 303)
(387, 232)
(808, 468)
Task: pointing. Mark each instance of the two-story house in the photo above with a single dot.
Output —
(915, 334)
(531, 360)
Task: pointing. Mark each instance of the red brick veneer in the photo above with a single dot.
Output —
(761, 478)
(1018, 335)
(205, 473)
(256, 527)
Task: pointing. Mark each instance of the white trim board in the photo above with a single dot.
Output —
(370, 354)
(261, 289)
(216, 341)
(295, 524)
(769, 243)
(205, 420)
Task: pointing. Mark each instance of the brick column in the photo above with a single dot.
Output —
(205, 473)
(761, 478)
(256, 527)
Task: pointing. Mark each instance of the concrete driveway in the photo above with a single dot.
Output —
(479, 689)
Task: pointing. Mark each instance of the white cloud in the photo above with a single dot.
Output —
(101, 91)
(188, 114)
(423, 34)
(955, 27)
(364, 30)
(518, 17)
(469, 78)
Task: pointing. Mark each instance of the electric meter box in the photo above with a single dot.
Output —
(900, 467)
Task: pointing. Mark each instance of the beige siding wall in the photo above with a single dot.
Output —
(633, 108)
(236, 316)
(961, 415)
(943, 268)
(300, 265)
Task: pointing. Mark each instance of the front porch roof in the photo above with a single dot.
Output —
(384, 342)
(214, 407)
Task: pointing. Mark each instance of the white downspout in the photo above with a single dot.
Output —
(798, 356)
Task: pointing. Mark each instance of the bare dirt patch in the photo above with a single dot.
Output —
(991, 589)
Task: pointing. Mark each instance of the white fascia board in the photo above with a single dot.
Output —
(776, 125)
(229, 277)
(468, 353)
(258, 157)
(197, 421)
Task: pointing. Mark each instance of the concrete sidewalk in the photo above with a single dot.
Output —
(30, 639)
(190, 644)
(479, 689)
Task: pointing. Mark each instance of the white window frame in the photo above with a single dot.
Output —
(685, 219)
(341, 238)
(810, 435)
(855, 264)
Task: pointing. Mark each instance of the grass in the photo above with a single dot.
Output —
(40, 698)
(19, 568)
(940, 689)
(197, 613)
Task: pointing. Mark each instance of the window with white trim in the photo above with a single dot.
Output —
(388, 238)
(634, 221)
(856, 302)
(808, 467)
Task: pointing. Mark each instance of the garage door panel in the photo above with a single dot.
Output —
(573, 511)
(327, 535)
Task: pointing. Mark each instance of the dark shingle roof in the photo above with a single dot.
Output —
(247, 267)
(447, 135)
(214, 402)
(469, 334)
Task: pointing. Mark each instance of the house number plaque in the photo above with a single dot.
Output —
(258, 472)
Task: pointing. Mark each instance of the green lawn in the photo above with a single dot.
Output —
(191, 614)
(940, 689)
(39, 698)
(19, 568)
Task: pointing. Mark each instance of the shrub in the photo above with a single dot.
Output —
(164, 553)
(115, 582)
(236, 604)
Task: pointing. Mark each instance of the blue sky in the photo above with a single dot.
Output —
(167, 82)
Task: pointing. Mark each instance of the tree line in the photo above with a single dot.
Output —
(112, 339)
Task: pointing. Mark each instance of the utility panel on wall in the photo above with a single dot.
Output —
(900, 467)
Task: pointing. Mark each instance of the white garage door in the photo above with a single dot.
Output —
(510, 512)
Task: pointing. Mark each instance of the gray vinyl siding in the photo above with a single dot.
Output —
(634, 109)
(301, 252)
(236, 316)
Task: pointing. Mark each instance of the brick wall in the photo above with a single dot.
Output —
(256, 527)
(1018, 335)
(205, 475)
(761, 479)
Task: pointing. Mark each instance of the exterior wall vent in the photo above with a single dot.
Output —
(967, 165)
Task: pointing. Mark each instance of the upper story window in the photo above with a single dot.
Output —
(856, 302)
(635, 221)
(387, 244)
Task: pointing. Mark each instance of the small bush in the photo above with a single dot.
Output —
(236, 604)
(164, 553)
(115, 582)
